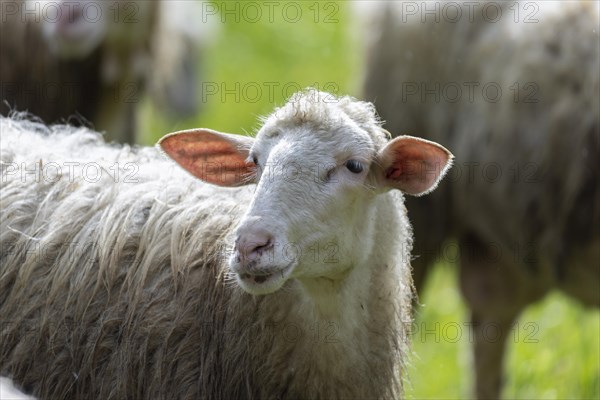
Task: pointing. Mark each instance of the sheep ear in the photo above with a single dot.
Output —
(413, 165)
(214, 157)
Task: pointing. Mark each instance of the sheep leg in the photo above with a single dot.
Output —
(496, 291)
(118, 118)
(490, 337)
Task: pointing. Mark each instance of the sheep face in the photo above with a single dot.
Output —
(74, 29)
(319, 169)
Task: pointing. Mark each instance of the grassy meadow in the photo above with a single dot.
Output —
(553, 350)
(253, 65)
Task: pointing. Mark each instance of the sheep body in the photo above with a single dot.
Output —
(533, 223)
(118, 288)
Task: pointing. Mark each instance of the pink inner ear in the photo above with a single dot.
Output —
(415, 166)
(214, 157)
(394, 172)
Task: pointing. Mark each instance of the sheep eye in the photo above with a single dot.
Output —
(255, 160)
(354, 166)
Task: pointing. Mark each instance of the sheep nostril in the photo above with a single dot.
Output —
(257, 249)
(252, 244)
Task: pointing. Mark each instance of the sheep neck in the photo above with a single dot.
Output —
(342, 297)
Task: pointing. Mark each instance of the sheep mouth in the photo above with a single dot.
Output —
(256, 278)
(264, 281)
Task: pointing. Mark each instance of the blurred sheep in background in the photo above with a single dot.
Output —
(96, 60)
(513, 89)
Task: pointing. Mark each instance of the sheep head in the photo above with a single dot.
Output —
(320, 165)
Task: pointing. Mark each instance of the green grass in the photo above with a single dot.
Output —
(565, 360)
(553, 351)
(254, 66)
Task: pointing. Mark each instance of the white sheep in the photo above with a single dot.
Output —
(512, 88)
(120, 287)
